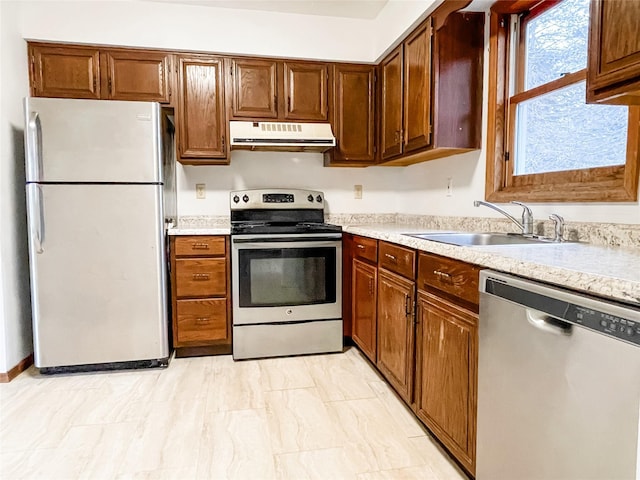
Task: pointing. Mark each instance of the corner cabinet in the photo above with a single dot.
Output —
(201, 299)
(100, 73)
(353, 116)
(201, 118)
(431, 90)
(613, 74)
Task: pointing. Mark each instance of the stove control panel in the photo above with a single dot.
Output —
(276, 198)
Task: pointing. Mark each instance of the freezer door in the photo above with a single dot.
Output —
(98, 279)
(68, 140)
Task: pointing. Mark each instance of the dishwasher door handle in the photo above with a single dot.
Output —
(548, 323)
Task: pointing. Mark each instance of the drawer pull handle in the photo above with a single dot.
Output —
(200, 246)
(442, 276)
(203, 319)
(200, 276)
(361, 246)
(391, 257)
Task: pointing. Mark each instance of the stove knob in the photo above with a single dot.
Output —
(319, 198)
(245, 198)
(236, 199)
(310, 198)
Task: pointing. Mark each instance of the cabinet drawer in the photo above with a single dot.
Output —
(366, 248)
(202, 320)
(395, 258)
(199, 246)
(448, 275)
(202, 277)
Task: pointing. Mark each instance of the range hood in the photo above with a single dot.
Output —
(281, 136)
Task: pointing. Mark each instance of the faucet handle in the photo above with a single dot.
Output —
(558, 222)
(527, 218)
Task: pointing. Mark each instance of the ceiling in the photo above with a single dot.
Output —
(364, 9)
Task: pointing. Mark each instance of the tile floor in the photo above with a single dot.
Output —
(317, 417)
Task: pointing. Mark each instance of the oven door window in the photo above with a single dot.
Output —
(287, 277)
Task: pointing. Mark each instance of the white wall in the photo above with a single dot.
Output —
(15, 315)
(303, 170)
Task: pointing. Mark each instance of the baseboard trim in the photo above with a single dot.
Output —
(17, 370)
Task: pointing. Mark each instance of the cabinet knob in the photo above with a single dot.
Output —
(391, 257)
(200, 246)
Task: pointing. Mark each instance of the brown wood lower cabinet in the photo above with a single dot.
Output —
(364, 278)
(396, 331)
(201, 299)
(425, 334)
(447, 351)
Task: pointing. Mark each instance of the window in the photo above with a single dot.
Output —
(544, 142)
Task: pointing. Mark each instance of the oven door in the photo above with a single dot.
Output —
(286, 278)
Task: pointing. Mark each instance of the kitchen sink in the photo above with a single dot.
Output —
(479, 239)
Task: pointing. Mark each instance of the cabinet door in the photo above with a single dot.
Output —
(131, 75)
(363, 297)
(614, 52)
(306, 88)
(396, 332)
(353, 114)
(447, 382)
(391, 104)
(201, 117)
(254, 88)
(67, 72)
(417, 88)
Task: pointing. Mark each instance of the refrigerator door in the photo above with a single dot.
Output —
(85, 141)
(98, 280)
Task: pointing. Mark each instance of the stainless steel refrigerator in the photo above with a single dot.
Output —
(100, 191)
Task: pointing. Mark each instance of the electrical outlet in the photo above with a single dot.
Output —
(449, 187)
(201, 191)
(357, 192)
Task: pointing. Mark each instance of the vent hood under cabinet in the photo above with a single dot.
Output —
(281, 136)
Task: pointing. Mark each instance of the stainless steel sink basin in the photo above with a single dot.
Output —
(479, 239)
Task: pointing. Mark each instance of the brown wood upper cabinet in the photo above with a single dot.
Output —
(66, 72)
(266, 89)
(201, 119)
(431, 90)
(131, 75)
(92, 73)
(614, 52)
(306, 91)
(406, 95)
(254, 86)
(353, 116)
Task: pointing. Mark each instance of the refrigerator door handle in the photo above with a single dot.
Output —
(34, 152)
(38, 234)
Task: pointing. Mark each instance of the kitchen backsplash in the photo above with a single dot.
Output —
(607, 234)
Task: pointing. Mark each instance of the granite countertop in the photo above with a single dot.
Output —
(200, 230)
(606, 271)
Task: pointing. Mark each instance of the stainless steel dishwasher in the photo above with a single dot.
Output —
(558, 384)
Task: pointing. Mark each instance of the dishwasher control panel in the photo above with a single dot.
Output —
(613, 325)
(600, 315)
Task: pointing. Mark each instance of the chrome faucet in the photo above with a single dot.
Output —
(558, 224)
(527, 216)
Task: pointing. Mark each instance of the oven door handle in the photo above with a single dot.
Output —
(286, 239)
